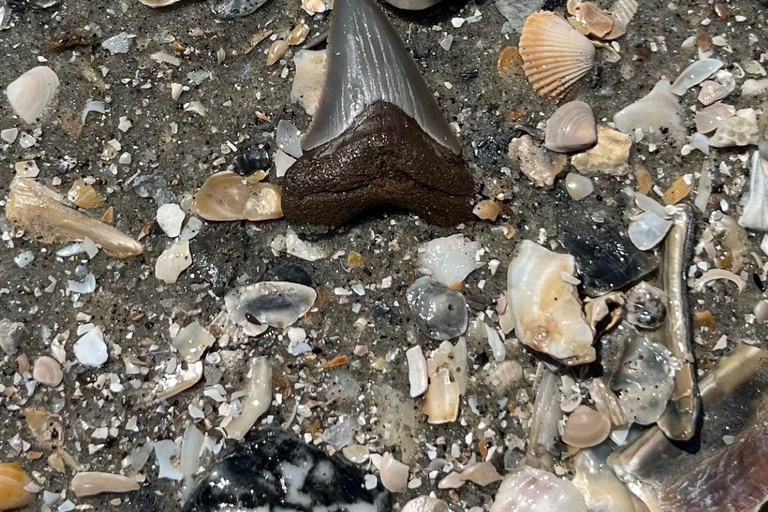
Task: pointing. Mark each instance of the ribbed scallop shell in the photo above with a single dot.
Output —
(571, 128)
(31, 93)
(555, 55)
(624, 10)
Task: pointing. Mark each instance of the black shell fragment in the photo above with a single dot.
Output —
(275, 471)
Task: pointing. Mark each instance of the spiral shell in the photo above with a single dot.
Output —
(571, 128)
(31, 93)
(555, 55)
(13, 480)
(48, 372)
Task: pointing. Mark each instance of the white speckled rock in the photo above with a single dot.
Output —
(170, 218)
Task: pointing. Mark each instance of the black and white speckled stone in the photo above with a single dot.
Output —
(272, 470)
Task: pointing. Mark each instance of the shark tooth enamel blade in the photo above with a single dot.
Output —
(378, 137)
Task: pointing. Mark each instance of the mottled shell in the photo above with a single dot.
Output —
(555, 55)
(571, 128)
(586, 427)
(31, 93)
(426, 504)
(712, 92)
(48, 372)
(13, 479)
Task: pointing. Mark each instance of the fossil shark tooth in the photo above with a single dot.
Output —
(378, 137)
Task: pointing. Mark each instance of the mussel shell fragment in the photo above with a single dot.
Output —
(440, 312)
(273, 470)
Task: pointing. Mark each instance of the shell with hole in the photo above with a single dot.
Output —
(32, 93)
(554, 54)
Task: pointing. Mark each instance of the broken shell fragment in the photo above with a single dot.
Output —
(534, 490)
(589, 19)
(47, 371)
(658, 109)
(439, 311)
(607, 403)
(555, 55)
(586, 427)
(41, 213)
(173, 261)
(739, 130)
(173, 384)
(426, 504)
(158, 3)
(623, 10)
(227, 196)
(536, 162)
(695, 74)
(449, 260)
(447, 368)
(712, 117)
(92, 483)
(32, 93)
(418, 377)
(13, 483)
(228, 9)
(311, 70)
(602, 491)
(579, 187)
(85, 196)
(571, 128)
(646, 306)
(609, 156)
(394, 474)
(276, 51)
(413, 5)
(487, 209)
(257, 400)
(712, 92)
(275, 303)
(755, 216)
(648, 230)
(378, 137)
(610, 306)
(546, 306)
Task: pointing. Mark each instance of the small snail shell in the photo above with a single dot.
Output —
(48, 372)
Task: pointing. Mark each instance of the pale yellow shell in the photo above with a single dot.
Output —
(555, 55)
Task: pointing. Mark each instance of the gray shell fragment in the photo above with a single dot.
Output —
(227, 9)
(413, 5)
(646, 306)
(370, 63)
(275, 303)
(439, 311)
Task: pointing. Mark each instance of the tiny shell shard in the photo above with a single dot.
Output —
(13, 480)
(227, 196)
(555, 55)
(41, 213)
(91, 484)
(534, 490)
(571, 128)
(449, 260)
(536, 162)
(32, 93)
(547, 309)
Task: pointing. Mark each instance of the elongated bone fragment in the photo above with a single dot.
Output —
(679, 420)
(93, 483)
(378, 138)
(42, 214)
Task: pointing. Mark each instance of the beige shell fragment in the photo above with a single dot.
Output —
(589, 19)
(93, 483)
(158, 3)
(426, 504)
(538, 163)
(571, 128)
(555, 55)
(609, 156)
(586, 427)
(32, 93)
(41, 213)
(227, 196)
(447, 367)
(257, 400)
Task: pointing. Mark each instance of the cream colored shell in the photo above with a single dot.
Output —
(32, 93)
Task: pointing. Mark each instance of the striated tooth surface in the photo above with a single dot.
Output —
(378, 137)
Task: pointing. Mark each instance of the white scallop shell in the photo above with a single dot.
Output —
(571, 128)
(555, 55)
(31, 93)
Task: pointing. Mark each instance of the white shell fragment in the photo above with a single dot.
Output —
(257, 400)
(695, 74)
(90, 349)
(311, 70)
(426, 504)
(658, 109)
(712, 92)
(192, 341)
(31, 93)
(578, 186)
(609, 156)
(394, 474)
(275, 303)
(447, 368)
(648, 230)
(534, 490)
(170, 218)
(571, 128)
(417, 371)
(712, 117)
(92, 483)
(482, 474)
(755, 216)
(183, 379)
(541, 165)
(739, 130)
(173, 261)
(439, 311)
(547, 310)
(601, 489)
(449, 260)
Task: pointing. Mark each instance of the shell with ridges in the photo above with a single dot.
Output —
(48, 372)
(624, 10)
(555, 55)
(571, 128)
(31, 93)
(13, 480)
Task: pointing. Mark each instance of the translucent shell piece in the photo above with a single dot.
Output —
(227, 196)
(555, 55)
(31, 93)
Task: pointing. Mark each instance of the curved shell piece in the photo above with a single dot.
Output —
(93, 483)
(31, 93)
(571, 128)
(158, 3)
(227, 196)
(13, 480)
(426, 504)
(274, 303)
(47, 371)
(586, 428)
(623, 10)
(438, 310)
(555, 55)
(535, 490)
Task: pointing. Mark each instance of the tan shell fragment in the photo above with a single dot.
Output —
(536, 162)
(571, 128)
(158, 3)
(610, 305)
(227, 196)
(93, 483)
(589, 19)
(482, 474)
(48, 372)
(426, 504)
(41, 213)
(609, 156)
(276, 51)
(555, 55)
(84, 195)
(13, 480)
(586, 427)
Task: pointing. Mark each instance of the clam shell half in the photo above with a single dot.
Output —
(31, 93)
(571, 128)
